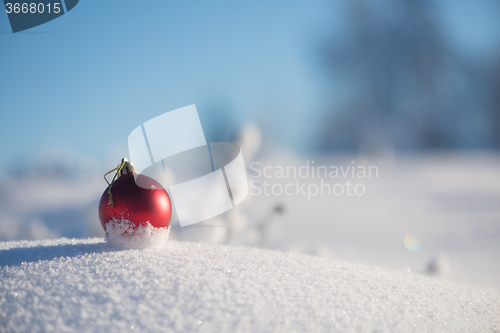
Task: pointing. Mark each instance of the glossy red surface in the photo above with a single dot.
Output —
(139, 204)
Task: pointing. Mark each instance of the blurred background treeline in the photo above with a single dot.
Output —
(405, 84)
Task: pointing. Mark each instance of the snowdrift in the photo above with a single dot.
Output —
(85, 286)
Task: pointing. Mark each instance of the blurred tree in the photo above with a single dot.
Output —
(220, 121)
(402, 86)
(495, 107)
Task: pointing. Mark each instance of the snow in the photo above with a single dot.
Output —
(85, 285)
(262, 279)
(124, 234)
(447, 200)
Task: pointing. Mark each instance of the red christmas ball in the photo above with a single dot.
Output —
(140, 200)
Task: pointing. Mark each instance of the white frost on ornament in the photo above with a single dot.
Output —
(123, 234)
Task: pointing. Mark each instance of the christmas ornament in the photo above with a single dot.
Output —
(137, 198)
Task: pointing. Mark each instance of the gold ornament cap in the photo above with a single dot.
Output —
(128, 168)
(125, 168)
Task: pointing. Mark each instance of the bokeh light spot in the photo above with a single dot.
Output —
(412, 243)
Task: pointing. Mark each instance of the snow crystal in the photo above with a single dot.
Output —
(124, 234)
(73, 285)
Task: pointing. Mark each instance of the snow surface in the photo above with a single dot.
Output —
(448, 200)
(85, 285)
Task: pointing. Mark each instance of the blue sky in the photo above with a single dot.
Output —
(86, 79)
